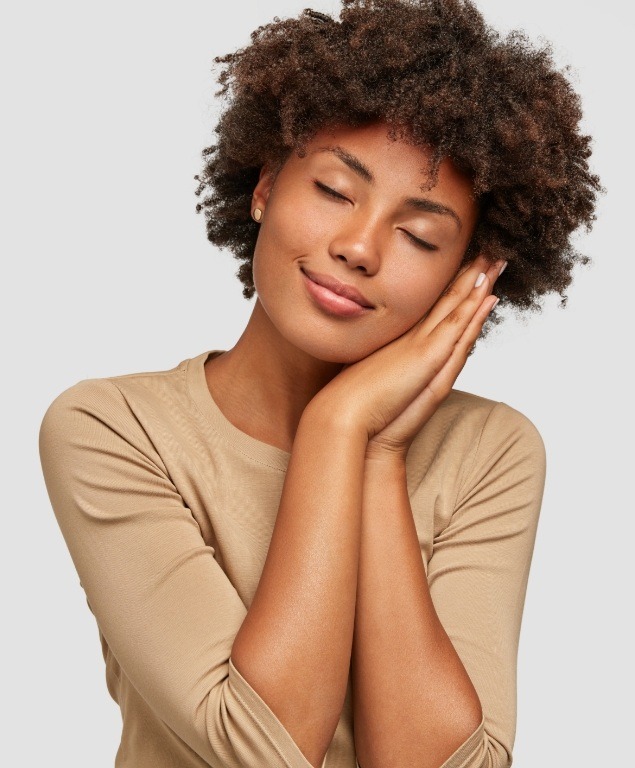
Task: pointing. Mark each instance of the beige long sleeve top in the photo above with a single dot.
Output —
(167, 510)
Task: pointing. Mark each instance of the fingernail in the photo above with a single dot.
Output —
(494, 304)
(479, 279)
(501, 270)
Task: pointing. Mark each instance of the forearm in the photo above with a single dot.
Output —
(294, 646)
(414, 703)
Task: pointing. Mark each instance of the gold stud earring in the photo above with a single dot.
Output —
(257, 214)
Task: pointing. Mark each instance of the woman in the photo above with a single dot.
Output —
(310, 550)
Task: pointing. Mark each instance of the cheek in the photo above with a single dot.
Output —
(282, 241)
(295, 223)
(415, 296)
(419, 302)
(291, 228)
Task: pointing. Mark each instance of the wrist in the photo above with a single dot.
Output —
(386, 464)
(321, 415)
(385, 486)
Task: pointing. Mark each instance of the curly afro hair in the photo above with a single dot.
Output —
(439, 76)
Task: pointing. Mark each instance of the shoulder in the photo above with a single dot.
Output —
(84, 398)
(91, 437)
(470, 437)
(500, 441)
(88, 422)
(112, 399)
(97, 417)
(492, 420)
(473, 434)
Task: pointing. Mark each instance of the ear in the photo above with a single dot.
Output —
(263, 187)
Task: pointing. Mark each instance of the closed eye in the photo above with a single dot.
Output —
(420, 243)
(329, 191)
(416, 240)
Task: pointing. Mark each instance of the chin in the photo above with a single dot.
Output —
(331, 346)
(329, 339)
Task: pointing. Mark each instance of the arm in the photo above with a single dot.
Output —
(416, 702)
(294, 646)
(168, 611)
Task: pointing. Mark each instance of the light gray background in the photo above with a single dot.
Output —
(107, 271)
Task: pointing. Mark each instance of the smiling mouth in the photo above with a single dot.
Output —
(335, 286)
(332, 302)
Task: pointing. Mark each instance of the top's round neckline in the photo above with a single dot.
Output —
(256, 449)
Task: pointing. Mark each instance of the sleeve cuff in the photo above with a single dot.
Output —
(267, 721)
(465, 755)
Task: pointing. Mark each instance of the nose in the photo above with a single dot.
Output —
(356, 243)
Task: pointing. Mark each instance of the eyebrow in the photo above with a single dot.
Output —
(418, 203)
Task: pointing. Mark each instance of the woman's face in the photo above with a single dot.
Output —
(381, 234)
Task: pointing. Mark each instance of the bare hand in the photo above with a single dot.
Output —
(393, 392)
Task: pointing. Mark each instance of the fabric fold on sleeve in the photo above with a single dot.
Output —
(241, 692)
(478, 574)
(161, 600)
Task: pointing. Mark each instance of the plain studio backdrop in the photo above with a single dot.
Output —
(107, 270)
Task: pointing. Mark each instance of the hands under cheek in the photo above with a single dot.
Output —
(393, 392)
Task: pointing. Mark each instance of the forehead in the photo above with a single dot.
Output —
(385, 162)
(373, 140)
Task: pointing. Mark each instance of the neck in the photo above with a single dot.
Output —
(264, 383)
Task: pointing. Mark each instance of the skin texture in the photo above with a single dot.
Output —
(290, 349)
(347, 396)
(497, 104)
(329, 390)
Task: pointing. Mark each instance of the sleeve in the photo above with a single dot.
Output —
(164, 605)
(478, 574)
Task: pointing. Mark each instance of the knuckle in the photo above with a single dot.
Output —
(433, 394)
(454, 317)
(438, 394)
(433, 362)
(452, 291)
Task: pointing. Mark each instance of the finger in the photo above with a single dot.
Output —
(459, 289)
(437, 346)
(441, 385)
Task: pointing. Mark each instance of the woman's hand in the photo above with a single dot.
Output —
(393, 392)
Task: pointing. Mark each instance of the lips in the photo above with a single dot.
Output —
(342, 289)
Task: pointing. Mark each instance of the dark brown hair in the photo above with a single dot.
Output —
(440, 76)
